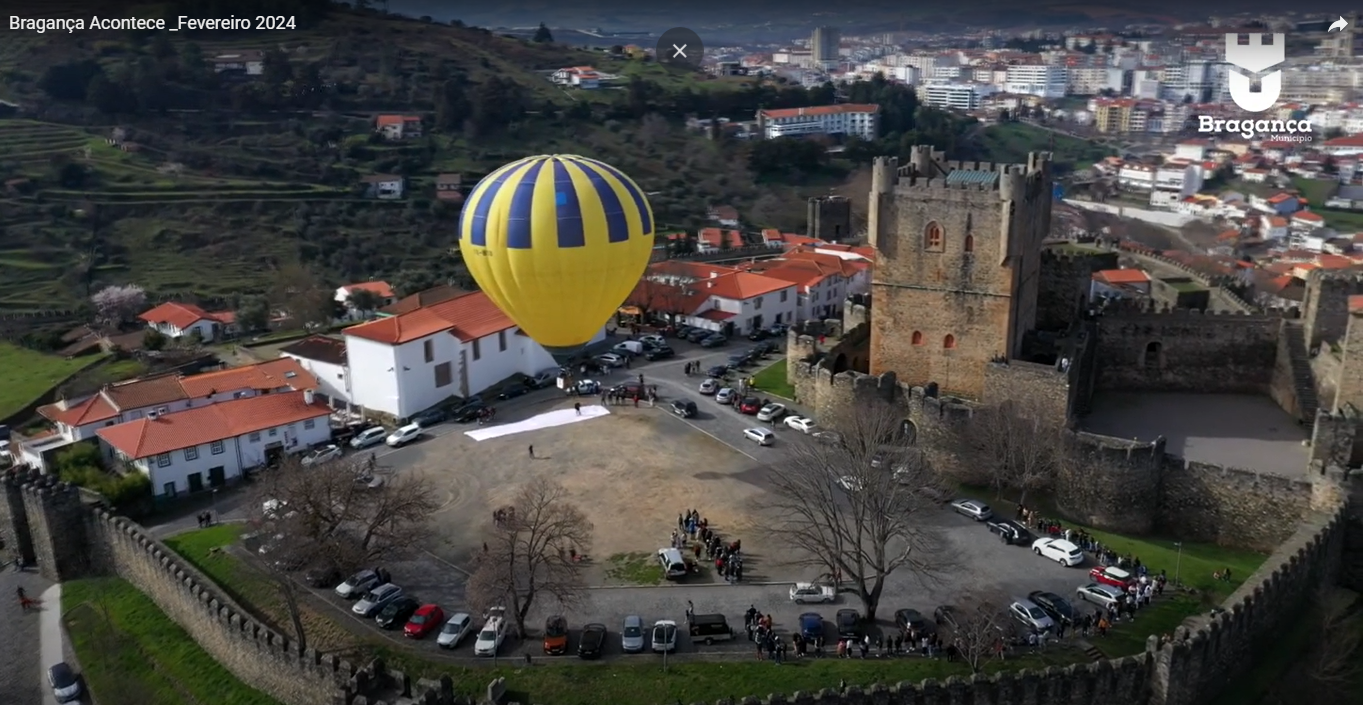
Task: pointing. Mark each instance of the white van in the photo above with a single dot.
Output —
(674, 566)
(629, 347)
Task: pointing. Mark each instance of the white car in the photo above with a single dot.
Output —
(610, 360)
(761, 436)
(851, 483)
(802, 593)
(665, 636)
(404, 435)
(657, 341)
(369, 437)
(973, 508)
(458, 626)
(1099, 594)
(357, 585)
(771, 412)
(321, 455)
(709, 386)
(804, 424)
(1027, 613)
(725, 396)
(493, 632)
(1059, 550)
(584, 388)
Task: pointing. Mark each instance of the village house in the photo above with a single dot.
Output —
(176, 320)
(210, 446)
(398, 127)
(1279, 203)
(822, 281)
(380, 289)
(408, 362)
(724, 216)
(77, 419)
(248, 62)
(584, 77)
(1305, 221)
(447, 188)
(1281, 292)
(1119, 283)
(712, 240)
(325, 358)
(741, 302)
(1255, 176)
(1274, 227)
(383, 186)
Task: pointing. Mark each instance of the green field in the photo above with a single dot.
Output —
(131, 653)
(1316, 191)
(26, 374)
(1010, 142)
(772, 380)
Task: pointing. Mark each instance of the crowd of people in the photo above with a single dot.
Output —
(694, 536)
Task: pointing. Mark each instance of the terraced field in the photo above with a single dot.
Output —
(29, 140)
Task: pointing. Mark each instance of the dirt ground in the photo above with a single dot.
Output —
(632, 472)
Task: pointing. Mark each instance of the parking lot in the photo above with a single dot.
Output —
(633, 472)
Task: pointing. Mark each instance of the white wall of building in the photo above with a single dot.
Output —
(205, 328)
(332, 380)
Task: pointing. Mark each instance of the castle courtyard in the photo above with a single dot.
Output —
(1235, 430)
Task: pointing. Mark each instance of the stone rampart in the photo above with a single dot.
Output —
(1140, 349)
(1063, 291)
(1229, 506)
(1326, 304)
(1221, 283)
(1111, 483)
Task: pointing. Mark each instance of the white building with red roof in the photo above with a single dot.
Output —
(406, 363)
(715, 297)
(822, 280)
(855, 119)
(398, 127)
(177, 320)
(1119, 283)
(381, 290)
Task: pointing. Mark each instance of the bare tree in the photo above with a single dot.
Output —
(655, 297)
(531, 553)
(980, 630)
(306, 298)
(118, 304)
(276, 566)
(857, 504)
(1018, 445)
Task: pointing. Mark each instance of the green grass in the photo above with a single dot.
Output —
(638, 568)
(130, 651)
(772, 380)
(196, 547)
(1316, 191)
(26, 374)
(1184, 287)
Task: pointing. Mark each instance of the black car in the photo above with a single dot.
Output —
(468, 412)
(699, 334)
(591, 642)
(396, 614)
(913, 621)
(1010, 531)
(758, 334)
(717, 371)
(1056, 607)
(662, 353)
(65, 685)
(683, 332)
(684, 408)
(849, 624)
(713, 341)
(946, 614)
(323, 575)
(738, 360)
(429, 418)
(766, 347)
(512, 391)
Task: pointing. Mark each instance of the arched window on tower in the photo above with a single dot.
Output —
(933, 237)
(1151, 359)
(916, 338)
(969, 245)
(949, 342)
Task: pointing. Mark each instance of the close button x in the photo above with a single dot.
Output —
(678, 51)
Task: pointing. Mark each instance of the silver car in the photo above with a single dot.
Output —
(357, 585)
(377, 599)
(456, 628)
(1099, 594)
(709, 386)
(632, 634)
(972, 508)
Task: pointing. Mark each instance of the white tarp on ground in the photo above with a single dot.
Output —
(560, 417)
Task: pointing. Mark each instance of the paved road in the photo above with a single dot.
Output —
(21, 663)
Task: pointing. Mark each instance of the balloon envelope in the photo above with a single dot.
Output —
(558, 242)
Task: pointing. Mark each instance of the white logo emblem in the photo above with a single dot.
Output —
(1255, 57)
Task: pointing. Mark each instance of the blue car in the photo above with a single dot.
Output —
(811, 626)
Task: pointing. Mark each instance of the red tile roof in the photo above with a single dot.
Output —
(268, 375)
(379, 288)
(1356, 303)
(689, 270)
(740, 286)
(823, 110)
(715, 236)
(468, 317)
(384, 120)
(92, 410)
(147, 437)
(1355, 140)
(180, 315)
(1123, 276)
(1308, 217)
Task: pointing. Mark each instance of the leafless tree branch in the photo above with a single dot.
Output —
(1017, 445)
(981, 628)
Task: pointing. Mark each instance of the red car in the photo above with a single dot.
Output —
(427, 619)
(750, 406)
(1109, 575)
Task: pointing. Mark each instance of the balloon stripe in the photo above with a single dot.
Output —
(645, 217)
(522, 208)
(478, 220)
(617, 225)
(568, 211)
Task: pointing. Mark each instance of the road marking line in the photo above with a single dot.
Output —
(733, 447)
(452, 565)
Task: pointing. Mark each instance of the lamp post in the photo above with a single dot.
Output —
(1179, 557)
(215, 505)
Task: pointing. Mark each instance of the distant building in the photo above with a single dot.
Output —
(854, 119)
(824, 45)
(953, 96)
(584, 77)
(383, 186)
(176, 320)
(243, 63)
(398, 127)
(448, 187)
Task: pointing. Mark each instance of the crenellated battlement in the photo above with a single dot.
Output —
(1127, 308)
(939, 184)
(1351, 277)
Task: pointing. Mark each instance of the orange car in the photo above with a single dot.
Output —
(556, 635)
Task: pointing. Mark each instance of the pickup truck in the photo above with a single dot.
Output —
(810, 592)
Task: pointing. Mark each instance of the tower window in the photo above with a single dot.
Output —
(917, 338)
(933, 237)
(949, 342)
(969, 245)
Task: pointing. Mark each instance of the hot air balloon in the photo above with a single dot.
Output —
(558, 242)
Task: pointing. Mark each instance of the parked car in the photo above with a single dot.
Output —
(699, 334)
(946, 615)
(811, 626)
(492, 634)
(368, 437)
(683, 331)
(628, 348)
(65, 685)
(673, 563)
(761, 436)
(404, 435)
(772, 412)
(430, 417)
(592, 641)
(662, 352)
(972, 508)
(543, 378)
(684, 408)
(750, 406)
(725, 396)
(468, 411)
(851, 483)
(656, 341)
(377, 599)
(849, 623)
(632, 634)
(758, 334)
(323, 574)
(458, 626)
(610, 360)
(766, 347)
(1030, 615)
(398, 612)
(713, 341)
(717, 371)
(512, 391)
(585, 388)
(664, 636)
(1059, 550)
(1058, 608)
(709, 387)
(811, 592)
(737, 360)
(427, 619)
(804, 424)
(1010, 531)
(709, 628)
(321, 455)
(1111, 575)
(1099, 594)
(908, 620)
(556, 635)
(357, 585)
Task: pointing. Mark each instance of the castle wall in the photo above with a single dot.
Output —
(1186, 351)
(1229, 506)
(1350, 383)
(829, 218)
(1326, 304)
(1043, 385)
(1111, 483)
(1063, 285)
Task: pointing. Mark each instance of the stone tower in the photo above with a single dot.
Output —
(958, 257)
(829, 218)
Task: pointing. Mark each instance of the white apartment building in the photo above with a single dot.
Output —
(953, 96)
(1091, 81)
(856, 119)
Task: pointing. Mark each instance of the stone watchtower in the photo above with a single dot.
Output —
(959, 251)
(829, 218)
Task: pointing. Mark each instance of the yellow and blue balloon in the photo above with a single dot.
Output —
(558, 242)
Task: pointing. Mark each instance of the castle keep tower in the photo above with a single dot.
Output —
(958, 257)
